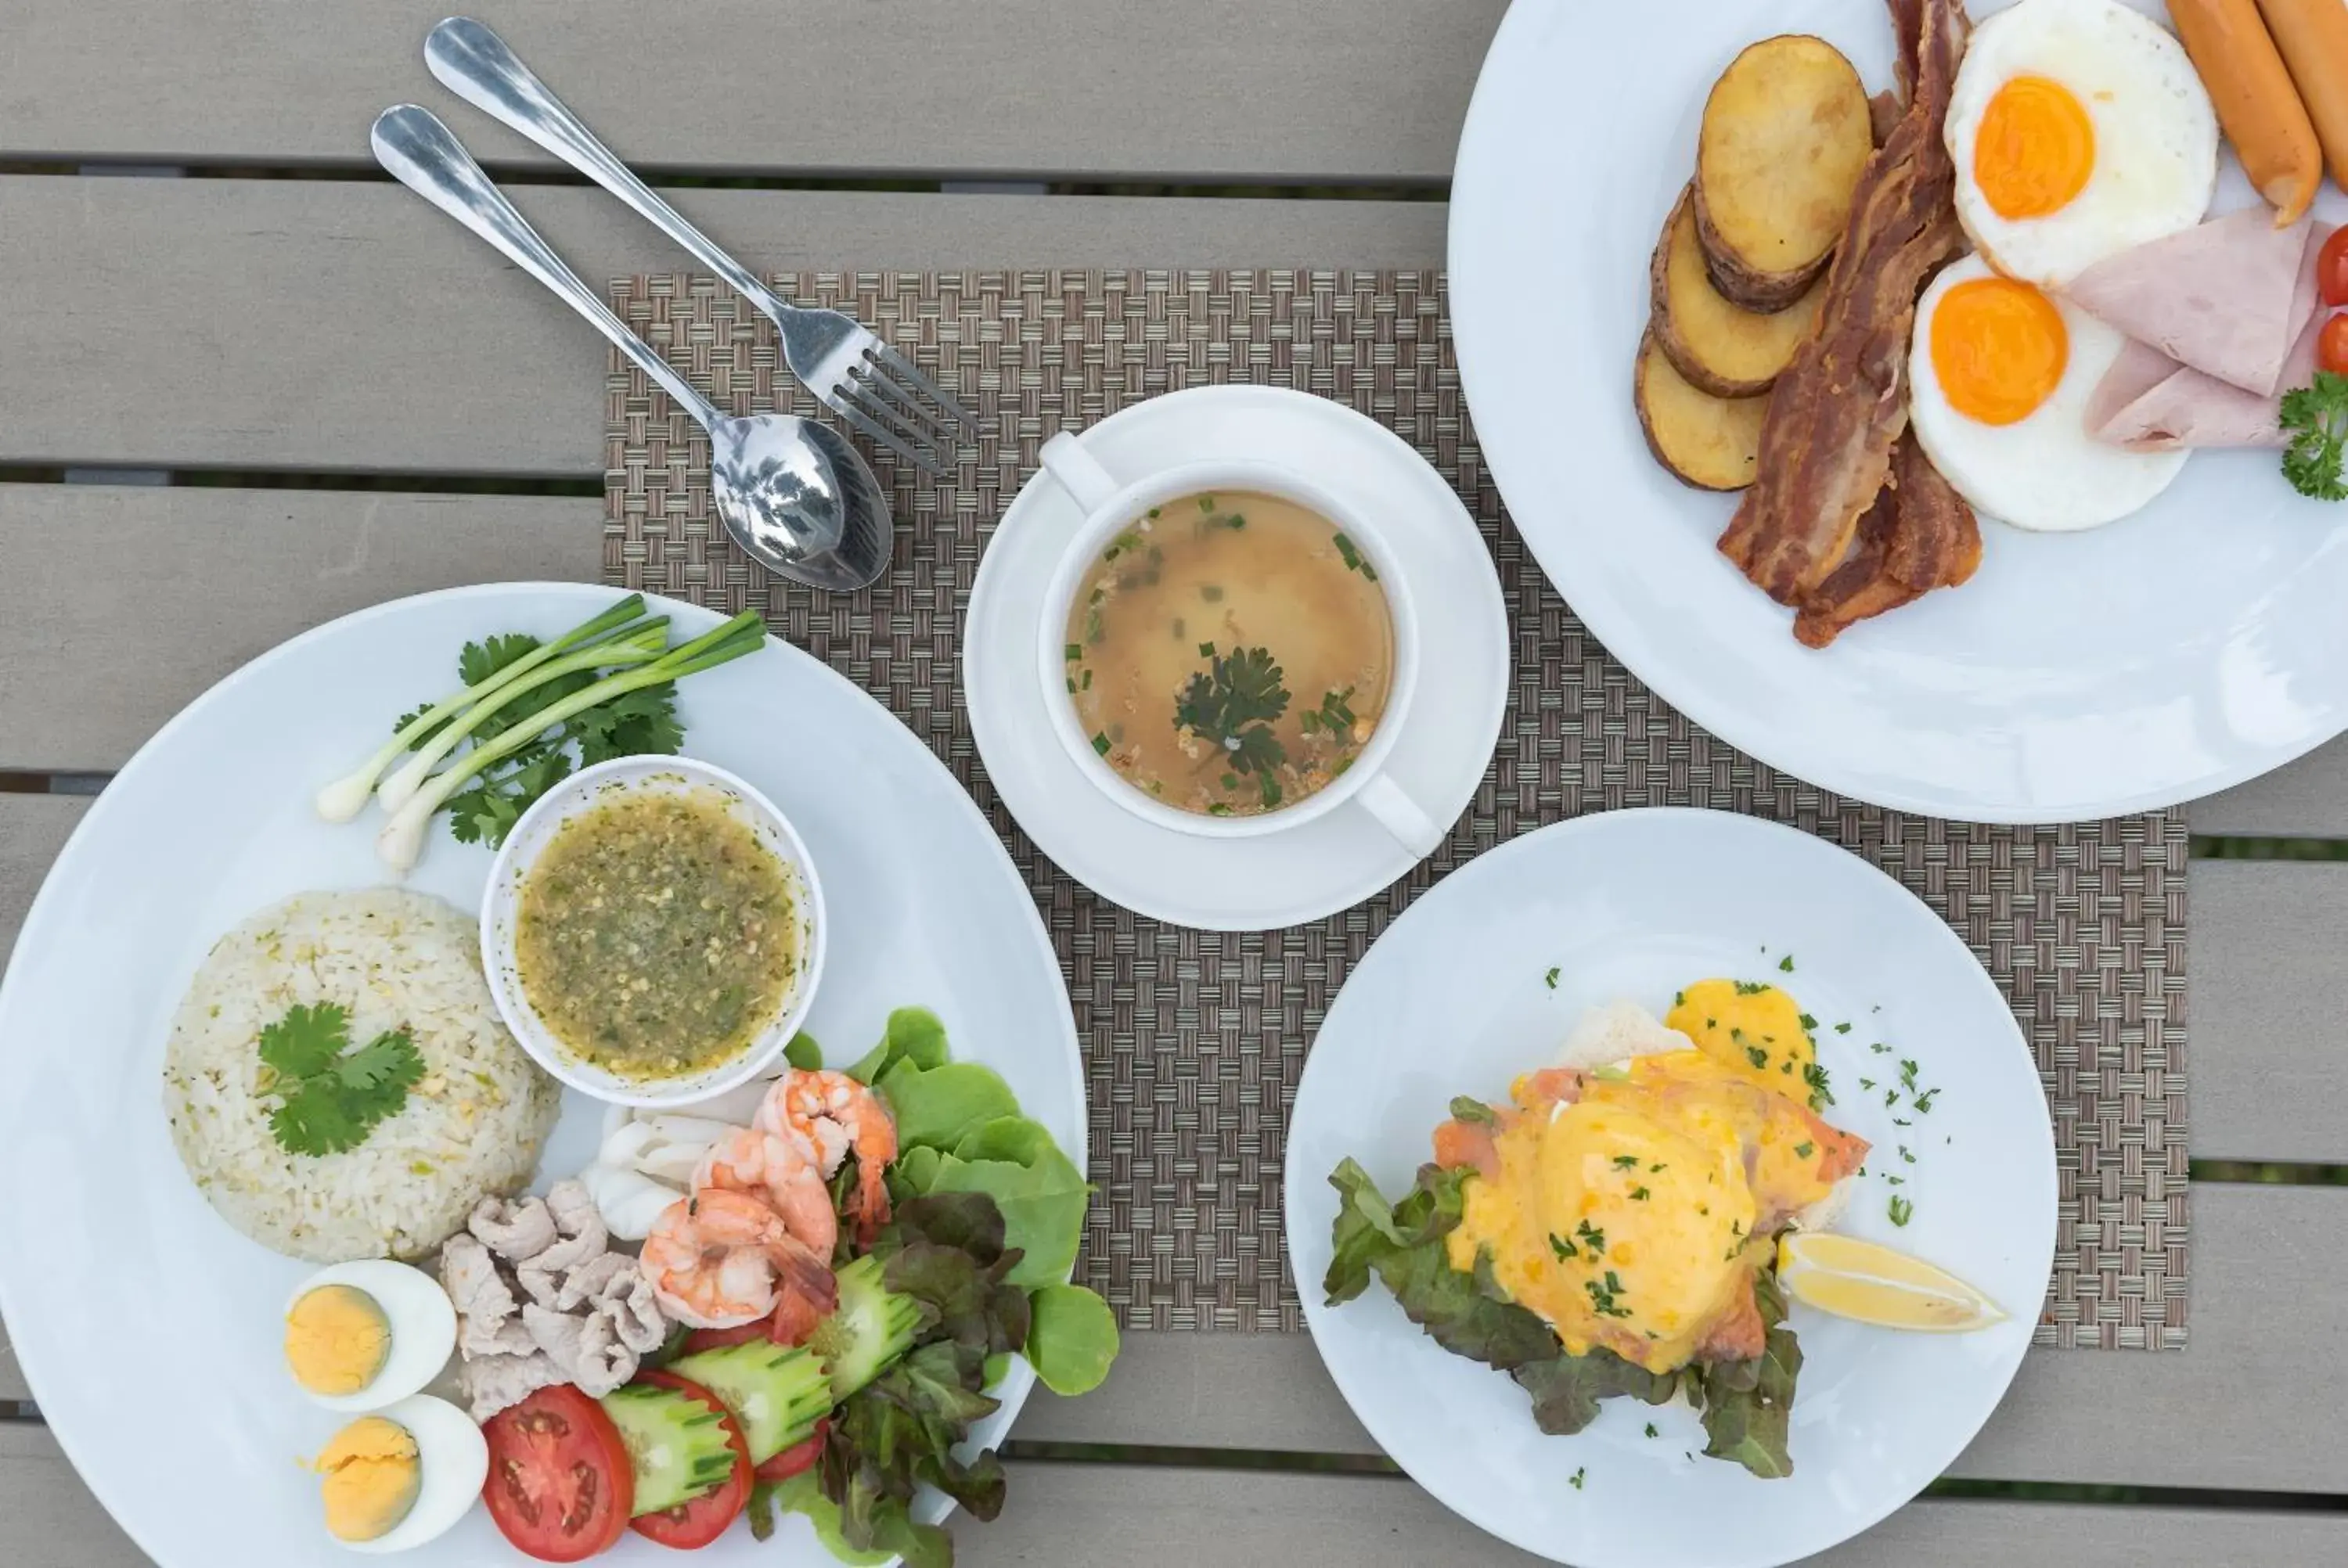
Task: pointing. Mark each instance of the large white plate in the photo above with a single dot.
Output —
(2187, 648)
(142, 1319)
(1455, 999)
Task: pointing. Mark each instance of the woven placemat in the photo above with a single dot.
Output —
(1193, 1040)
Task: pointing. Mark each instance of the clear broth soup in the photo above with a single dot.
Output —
(1229, 654)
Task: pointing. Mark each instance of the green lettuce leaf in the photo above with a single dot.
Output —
(1566, 1389)
(803, 1053)
(896, 1434)
(946, 1251)
(1748, 1404)
(914, 1035)
(935, 1106)
(1071, 1338)
(1403, 1245)
(803, 1495)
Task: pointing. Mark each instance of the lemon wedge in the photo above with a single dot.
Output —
(1870, 1284)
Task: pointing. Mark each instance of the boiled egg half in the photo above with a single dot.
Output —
(2000, 377)
(402, 1476)
(362, 1334)
(2080, 129)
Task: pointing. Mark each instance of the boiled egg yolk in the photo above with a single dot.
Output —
(336, 1339)
(371, 1474)
(2035, 148)
(1999, 350)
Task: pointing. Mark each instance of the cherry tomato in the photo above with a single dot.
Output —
(2332, 347)
(796, 1458)
(560, 1484)
(2332, 269)
(702, 1339)
(697, 1522)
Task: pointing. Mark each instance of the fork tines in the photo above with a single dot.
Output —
(884, 396)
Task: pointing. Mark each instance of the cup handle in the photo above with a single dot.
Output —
(1401, 816)
(1079, 473)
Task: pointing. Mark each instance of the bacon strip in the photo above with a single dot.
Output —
(1919, 534)
(1840, 408)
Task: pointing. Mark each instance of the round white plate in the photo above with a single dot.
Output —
(2188, 648)
(135, 1309)
(1455, 1000)
(1323, 865)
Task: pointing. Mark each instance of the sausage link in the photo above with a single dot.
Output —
(2313, 36)
(2256, 102)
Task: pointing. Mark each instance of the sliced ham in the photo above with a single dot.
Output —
(2228, 298)
(2149, 403)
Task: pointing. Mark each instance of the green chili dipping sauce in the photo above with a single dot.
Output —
(657, 935)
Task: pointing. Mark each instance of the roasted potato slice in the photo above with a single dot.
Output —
(1786, 132)
(1721, 348)
(1711, 443)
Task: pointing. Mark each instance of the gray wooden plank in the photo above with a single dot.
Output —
(135, 599)
(335, 326)
(1126, 1516)
(32, 829)
(2308, 799)
(1227, 89)
(2265, 941)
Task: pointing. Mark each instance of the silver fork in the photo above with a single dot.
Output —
(850, 368)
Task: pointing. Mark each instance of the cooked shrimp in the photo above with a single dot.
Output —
(719, 1259)
(781, 1171)
(837, 1114)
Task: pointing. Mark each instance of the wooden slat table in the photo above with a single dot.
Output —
(207, 276)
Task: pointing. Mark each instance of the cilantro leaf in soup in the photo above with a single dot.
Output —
(1071, 1338)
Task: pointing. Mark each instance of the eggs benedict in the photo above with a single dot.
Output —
(1631, 1197)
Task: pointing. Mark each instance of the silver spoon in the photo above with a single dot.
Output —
(796, 496)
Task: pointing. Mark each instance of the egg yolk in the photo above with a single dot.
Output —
(1751, 1028)
(2035, 149)
(370, 1475)
(1999, 349)
(336, 1339)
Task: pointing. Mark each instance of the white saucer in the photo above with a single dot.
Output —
(1322, 867)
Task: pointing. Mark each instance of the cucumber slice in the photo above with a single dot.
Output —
(776, 1392)
(676, 1444)
(871, 1327)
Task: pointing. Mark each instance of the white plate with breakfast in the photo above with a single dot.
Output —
(1653, 1231)
(1236, 658)
(499, 1124)
(1947, 393)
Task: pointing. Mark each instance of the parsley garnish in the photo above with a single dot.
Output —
(1650, 1428)
(1842, 1029)
(1592, 1237)
(1903, 1211)
(1602, 1297)
(1749, 988)
(331, 1097)
(1626, 1161)
(1561, 1247)
(1803, 1150)
(1756, 1056)
(1233, 705)
(2317, 416)
(1638, 1195)
(1924, 1101)
(1575, 1480)
(1787, 963)
(1815, 1076)
(1549, 979)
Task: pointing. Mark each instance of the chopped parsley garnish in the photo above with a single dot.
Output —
(1626, 1161)
(1638, 1195)
(1903, 1211)
(1603, 1297)
(1842, 1029)
(1756, 1056)
(329, 1096)
(1815, 1076)
(1804, 1151)
(1650, 1428)
(1750, 987)
(1906, 1155)
(1808, 1023)
(1592, 1237)
(1787, 963)
(1866, 1084)
(1549, 979)
(1657, 1170)
(1561, 1247)
(1924, 1101)
(1575, 1480)
(1880, 1049)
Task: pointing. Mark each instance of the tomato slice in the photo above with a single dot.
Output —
(560, 1484)
(2332, 347)
(699, 1521)
(702, 1339)
(796, 1458)
(2332, 269)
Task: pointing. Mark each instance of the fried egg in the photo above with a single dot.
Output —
(2079, 130)
(1631, 1204)
(2000, 377)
